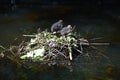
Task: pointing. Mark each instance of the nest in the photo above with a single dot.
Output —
(47, 48)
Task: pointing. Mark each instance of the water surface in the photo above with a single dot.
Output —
(90, 25)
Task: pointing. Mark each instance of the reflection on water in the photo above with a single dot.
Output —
(25, 21)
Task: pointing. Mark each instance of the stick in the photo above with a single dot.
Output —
(99, 44)
(2, 47)
(95, 44)
(29, 35)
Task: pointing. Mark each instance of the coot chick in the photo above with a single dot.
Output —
(57, 26)
(66, 30)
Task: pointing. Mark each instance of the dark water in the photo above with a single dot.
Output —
(14, 23)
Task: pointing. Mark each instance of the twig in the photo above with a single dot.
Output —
(2, 47)
(95, 44)
(60, 53)
(96, 38)
(79, 51)
(99, 44)
(13, 60)
(29, 35)
(81, 48)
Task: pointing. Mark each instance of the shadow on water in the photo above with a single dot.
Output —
(90, 25)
